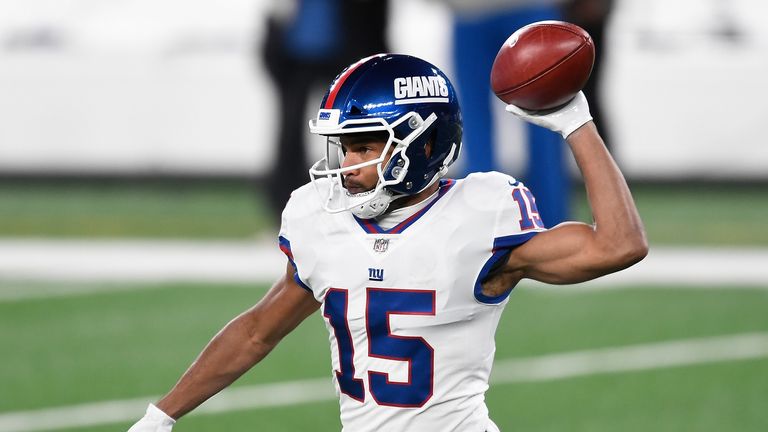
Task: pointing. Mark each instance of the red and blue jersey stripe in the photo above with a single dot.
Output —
(285, 246)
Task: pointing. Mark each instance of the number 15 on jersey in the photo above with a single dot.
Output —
(381, 304)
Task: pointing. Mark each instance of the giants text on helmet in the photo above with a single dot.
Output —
(420, 87)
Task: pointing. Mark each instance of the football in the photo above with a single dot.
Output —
(543, 65)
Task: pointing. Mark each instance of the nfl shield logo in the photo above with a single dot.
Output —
(380, 245)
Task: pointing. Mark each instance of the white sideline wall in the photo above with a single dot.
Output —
(174, 86)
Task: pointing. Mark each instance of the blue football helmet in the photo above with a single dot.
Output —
(410, 99)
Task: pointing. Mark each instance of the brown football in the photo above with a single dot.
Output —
(543, 65)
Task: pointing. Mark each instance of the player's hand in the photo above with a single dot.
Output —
(563, 121)
(155, 420)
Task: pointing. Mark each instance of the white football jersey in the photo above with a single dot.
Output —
(412, 335)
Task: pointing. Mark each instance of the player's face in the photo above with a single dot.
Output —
(360, 148)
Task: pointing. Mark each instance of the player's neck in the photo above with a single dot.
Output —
(410, 200)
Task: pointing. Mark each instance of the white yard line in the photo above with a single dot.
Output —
(140, 260)
(88, 265)
(632, 358)
(694, 267)
(532, 369)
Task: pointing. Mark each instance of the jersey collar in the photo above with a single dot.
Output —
(371, 227)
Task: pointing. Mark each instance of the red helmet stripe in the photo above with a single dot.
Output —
(336, 86)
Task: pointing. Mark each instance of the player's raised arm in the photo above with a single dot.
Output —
(242, 343)
(574, 252)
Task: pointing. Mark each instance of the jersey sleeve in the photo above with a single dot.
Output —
(515, 221)
(284, 241)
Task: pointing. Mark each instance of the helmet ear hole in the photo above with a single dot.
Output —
(430, 143)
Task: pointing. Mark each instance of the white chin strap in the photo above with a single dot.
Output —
(365, 207)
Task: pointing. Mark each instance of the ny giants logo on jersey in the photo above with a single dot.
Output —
(375, 274)
(420, 89)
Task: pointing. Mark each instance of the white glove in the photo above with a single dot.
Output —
(155, 420)
(563, 121)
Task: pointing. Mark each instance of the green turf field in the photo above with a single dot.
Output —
(673, 214)
(699, 215)
(131, 343)
(158, 209)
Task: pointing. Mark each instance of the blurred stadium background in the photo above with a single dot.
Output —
(134, 137)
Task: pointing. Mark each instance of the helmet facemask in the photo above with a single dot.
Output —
(392, 164)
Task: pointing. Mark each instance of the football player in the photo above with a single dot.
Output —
(410, 270)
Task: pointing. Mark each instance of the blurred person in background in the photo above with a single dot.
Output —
(411, 270)
(306, 44)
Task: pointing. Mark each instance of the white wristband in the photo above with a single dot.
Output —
(156, 414)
